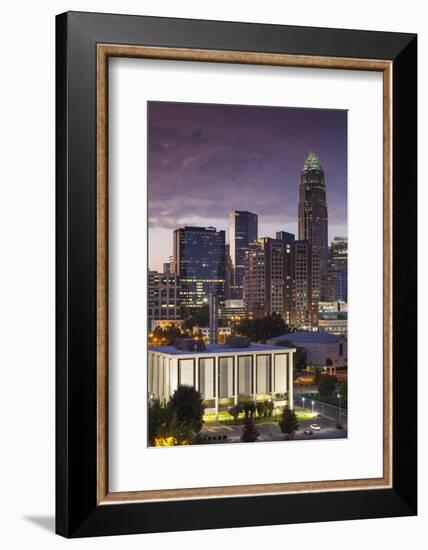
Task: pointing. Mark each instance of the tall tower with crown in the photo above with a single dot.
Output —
(313, 215)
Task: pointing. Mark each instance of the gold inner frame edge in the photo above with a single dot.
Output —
(104, 52)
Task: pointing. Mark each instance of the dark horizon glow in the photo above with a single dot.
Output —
(205, 160)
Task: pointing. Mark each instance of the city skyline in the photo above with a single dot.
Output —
(208, 160)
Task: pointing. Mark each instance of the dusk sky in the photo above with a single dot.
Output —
(205, 160)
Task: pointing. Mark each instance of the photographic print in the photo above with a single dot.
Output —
(247, 274)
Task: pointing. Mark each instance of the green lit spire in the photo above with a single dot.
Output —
(312, 162)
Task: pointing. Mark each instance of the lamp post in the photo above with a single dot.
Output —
(313, 403)
(303, 402)
(340, 407)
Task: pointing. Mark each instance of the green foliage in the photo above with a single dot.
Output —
(188, 407)
(158, 419)
(299, 356)
(199, 318)
(249, 409)
(343, 391)
(261, 409)
(269, 406)
(181, 418)
(262, 329)
(249, 432)
(327, 385)
(167, 335)
(288, 423)
(235, 412)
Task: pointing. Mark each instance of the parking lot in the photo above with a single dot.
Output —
(270, 431)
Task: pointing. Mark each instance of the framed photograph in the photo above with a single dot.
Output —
(236, 274)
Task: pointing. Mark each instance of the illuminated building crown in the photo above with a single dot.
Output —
(312, 162)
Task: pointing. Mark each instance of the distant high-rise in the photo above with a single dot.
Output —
(278, 279)
(163, 296)
(243, 231)
(200, 260)
(284, 236)
(313, 216)
(339, 254)
(334, 283)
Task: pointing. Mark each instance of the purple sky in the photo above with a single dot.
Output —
(205, 160)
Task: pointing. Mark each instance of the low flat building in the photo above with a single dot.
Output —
(166, 323)
(333, 322)
(233, 311)
(222, 332)
(326, 351)
(224, 375)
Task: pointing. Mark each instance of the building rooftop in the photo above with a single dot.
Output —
(217, 348)
(307, 338)
(312, 162)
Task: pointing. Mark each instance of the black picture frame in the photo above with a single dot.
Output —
(77, 512)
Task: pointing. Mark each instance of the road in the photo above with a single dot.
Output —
(328, 411)
(270, 431)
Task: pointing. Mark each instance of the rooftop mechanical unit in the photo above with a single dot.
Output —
(238, 342)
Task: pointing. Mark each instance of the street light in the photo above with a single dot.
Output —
(303, 402)
(313, 403)
(340, 407)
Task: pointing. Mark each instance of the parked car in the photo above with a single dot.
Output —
(315, 427)
(308, 431)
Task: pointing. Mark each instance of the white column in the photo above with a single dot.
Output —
(290, 380)
(254, 372)
(235, 379)
(196, 373)
(216, 385)
(174, 375)
(271, 374)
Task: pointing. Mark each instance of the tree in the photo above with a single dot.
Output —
(343, 391)
(187, 406)
(165, 336)
(234, 412)
(262, 329)
(317, 376)
(288, 422)
(327, 385)
(249, 432)
(299, 356)
(261, 408)
(158, 419)
(199, 318)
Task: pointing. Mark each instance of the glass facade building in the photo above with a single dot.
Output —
(200, 260)
(243, 231)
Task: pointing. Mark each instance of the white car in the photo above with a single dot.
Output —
(315, 427)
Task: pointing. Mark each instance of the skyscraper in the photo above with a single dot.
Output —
(243, 231)
(313, 216)
(163, 296)
(199, 259)
(278, 279)
(334, 283)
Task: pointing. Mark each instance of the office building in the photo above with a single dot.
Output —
(224, 375)
(200, 260)
(233, 311)
(278, 279)
(334, 283)
(163, 297)
(243, 231)
(284, 236)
